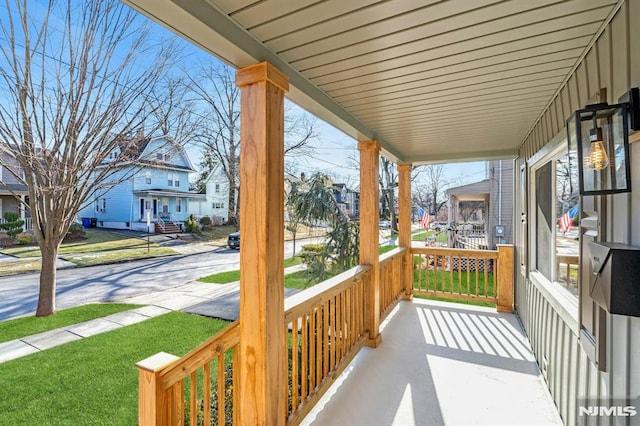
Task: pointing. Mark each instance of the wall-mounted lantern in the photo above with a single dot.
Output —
(600, 133)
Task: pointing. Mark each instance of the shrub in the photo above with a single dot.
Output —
(24, 239)
(191, 226)
(316, 248)
(205, 220)
(12, 225)
(75, 233)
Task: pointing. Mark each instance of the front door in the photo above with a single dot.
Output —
(142, 215)
(155, 207)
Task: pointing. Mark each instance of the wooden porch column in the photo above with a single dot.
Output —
(262, 377)
(404, 226)
(505, 278)
(370, 233)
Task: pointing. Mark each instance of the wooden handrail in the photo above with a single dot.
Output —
(445, 251)
(299, 303)
(466, 274)
(327, 329)
(391, 255)
(202, 354)
(162, 381)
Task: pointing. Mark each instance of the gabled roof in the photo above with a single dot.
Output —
(135, 148)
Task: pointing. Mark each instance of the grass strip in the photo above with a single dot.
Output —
(99, 258)
(97, 240)
(26, 326)
(234, 275)
(19, 267)
(94, 380)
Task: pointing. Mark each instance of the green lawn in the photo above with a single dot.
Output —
(420, 235)
(233, 276)
(97, 240)
(218, 232)
(20, 327)
(19, 267)
(110, 256)
(94, 380)
(453, 282)
(100, 247)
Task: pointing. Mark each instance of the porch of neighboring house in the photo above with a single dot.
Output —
(472, 235)
(166, 210)
(8, 203)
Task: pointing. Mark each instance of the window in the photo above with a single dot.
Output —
(179, 205)
(555, 212)
(173, 179)
(163, 156)
(217, 188)
(101, 205)
(148, 178)
(165, 205)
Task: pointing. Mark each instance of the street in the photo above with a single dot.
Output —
(112, 283)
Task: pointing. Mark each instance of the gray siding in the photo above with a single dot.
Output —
(613, 63)
(498, 216)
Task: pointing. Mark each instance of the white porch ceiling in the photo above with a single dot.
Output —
(432, 81)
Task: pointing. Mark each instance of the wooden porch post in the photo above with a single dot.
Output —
(262, 377)
(505, 278)
(370, 233)
(404, 228)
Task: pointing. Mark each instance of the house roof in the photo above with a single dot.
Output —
(15, 187)
(475, 191)
(432, 81)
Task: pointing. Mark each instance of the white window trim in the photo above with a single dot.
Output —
(565, 303)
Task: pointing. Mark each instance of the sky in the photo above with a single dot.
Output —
(333, 153)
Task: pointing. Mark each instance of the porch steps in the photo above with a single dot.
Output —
(169, 228)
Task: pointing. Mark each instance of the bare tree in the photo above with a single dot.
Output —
(467, 209)
(431, 193)
(219, 98)
(174, 113)
(74, 93)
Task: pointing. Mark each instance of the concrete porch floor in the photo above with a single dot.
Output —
(441, 364)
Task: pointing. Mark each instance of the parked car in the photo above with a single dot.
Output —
(233, 240)
(385, 224)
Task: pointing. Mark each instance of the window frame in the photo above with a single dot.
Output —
(565, 303)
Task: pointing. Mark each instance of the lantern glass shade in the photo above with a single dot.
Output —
(600, 136)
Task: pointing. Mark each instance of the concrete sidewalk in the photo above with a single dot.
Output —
(212, 300)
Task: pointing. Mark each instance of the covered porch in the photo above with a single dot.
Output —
(441, 363)
(419, 83)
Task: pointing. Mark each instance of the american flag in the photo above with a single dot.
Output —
(567, 219)
(424, 217)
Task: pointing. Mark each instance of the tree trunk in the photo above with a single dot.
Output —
(294, 244)
(46, 297)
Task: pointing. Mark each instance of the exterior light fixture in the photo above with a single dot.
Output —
(597, 158)
(603, 157)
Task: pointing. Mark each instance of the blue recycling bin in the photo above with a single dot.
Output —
(86, 222)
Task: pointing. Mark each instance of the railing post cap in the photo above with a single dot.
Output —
(156, 362)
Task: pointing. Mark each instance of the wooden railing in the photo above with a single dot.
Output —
(325, 327)
(461, 274)
(391, 289)
(203, 382)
